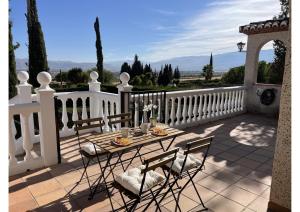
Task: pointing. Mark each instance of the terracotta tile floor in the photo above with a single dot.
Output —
(237, 173)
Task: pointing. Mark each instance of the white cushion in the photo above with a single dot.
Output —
(191, 162)
(132, 179)
(90, 149)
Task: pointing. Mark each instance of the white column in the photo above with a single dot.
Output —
(218, 104)
(172, 111)
(12, 146)
(74, 114)
(124, 87)
(47, 119)
(94, 88)
(167, 111)
(24, 96)
(205, 107)
(84, 113)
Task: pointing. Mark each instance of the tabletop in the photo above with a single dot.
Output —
(105, 140)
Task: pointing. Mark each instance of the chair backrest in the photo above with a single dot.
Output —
(158, 161)
(197, 145)
(85, 124)
(122, 118)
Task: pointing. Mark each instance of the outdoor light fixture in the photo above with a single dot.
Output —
(240, 45)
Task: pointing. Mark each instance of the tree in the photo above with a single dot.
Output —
(176, 75)
(136, 68)
(76, 75)
(160, 77)
(234, 75)
(125, 68)
(207, 72)
(263, 72)
(211, 61)
(99, 50)
(277, 68)
(37, 61)
(12, 64)
(62, 76)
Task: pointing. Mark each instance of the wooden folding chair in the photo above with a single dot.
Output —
(146, 190)
(187, 166)
(88, 151)
(115, 121)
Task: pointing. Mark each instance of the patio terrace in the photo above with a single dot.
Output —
(237, 175)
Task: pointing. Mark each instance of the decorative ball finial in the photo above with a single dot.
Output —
(94, 76)
(23, 76)
(44, 78)
(125, 77)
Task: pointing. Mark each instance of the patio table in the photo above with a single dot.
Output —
(104, 141)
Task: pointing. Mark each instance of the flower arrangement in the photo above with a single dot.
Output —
(153, 111)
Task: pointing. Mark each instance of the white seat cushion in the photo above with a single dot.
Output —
(90, 149)
(191, 162)
(132, 179)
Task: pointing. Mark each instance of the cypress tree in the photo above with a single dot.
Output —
(99, 50)
(136, 68)
(12, 65)
(125, 68)
(211, 61)
(37, 61)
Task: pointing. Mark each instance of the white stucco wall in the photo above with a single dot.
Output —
(254, 45)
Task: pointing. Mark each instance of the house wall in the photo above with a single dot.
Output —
(254, 45)
(281, 174)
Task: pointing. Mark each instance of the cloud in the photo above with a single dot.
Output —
(214, 29)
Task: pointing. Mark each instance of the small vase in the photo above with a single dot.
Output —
(153, 122)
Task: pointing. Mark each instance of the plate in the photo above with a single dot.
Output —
(159, 131)
(119, 141)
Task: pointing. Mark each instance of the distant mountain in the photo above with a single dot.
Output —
(222, 62)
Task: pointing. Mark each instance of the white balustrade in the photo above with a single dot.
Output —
(213, 104)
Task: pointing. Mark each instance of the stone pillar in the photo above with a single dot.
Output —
(280, 197)
(94, 87)
(124, 87)
(45, 96)
(23, 97)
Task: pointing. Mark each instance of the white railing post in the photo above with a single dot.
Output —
(24, 96)
(45, 96)
(94, 87)
(124, 87)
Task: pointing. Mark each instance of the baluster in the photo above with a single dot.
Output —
(158, 110)
(242, 100)
(229, 102)
(205, 106)
(190, 109)
(136, 114)
(167, 111)
(239, 100)
(184, 110)
(222, 104)
(213, 108)
(84, 113)
(225, 103)
(27, 144)
(101, 108)
(12, 146)
(200, 107)
(64, 115)
(195, 108)
(112, 112)
(75, 114)
(232, 101)
(209, 105)
(172, 111)
(178, 111)
(218, 105)
(105, 115)
(236, 101)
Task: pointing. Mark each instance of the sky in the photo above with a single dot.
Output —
(155, 30)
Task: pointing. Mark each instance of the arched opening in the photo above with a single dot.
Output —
(270, 67)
